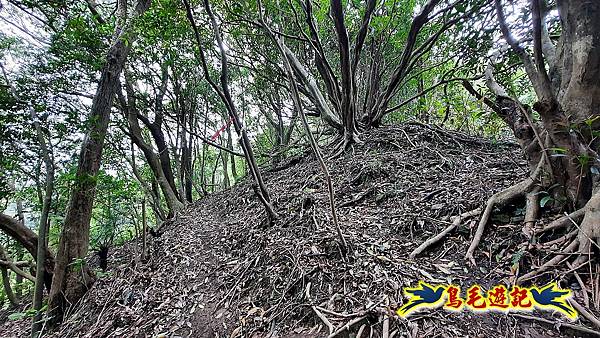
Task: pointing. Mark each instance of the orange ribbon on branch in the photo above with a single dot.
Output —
(222, 129)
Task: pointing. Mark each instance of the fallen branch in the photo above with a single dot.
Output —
(455, 223)
(585, 313)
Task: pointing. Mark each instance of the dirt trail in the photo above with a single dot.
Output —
(217, 270)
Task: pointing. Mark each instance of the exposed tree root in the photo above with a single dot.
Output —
(532, 210)
(564, 221)
(455, 223)
(361, 330)
(559, 241)
(584, 289)
(501, 199)
(589, 230)
(549, 264)
(347, 142)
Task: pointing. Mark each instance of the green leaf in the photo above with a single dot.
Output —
(545, 201)
(559, 150)
(17, 316)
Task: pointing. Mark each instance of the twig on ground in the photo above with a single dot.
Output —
(584, 290)
(558, 324)
(585, 313)
(347, 326)
(455, 223)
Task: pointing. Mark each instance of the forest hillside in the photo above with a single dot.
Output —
(307, 168)
(218, 270)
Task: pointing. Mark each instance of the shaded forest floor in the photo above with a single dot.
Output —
(217, 270)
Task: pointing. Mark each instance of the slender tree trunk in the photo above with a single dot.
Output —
(42, 274)
(214, 172)
(231, 156)
(203, 161)
(144, 229)
(348, 92)
(224, 93)
(225, 162)
(19, 249)
(42, 229)
(314, 145)
(7, 288)
(170, 195)
(150, 190)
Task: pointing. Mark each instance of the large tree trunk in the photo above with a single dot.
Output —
(347, 72)
(568, 103)
(566, 100)
(72, 277)
(577, 89)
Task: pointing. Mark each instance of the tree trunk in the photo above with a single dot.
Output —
(231, 156)
(149, 189)
(7, 288)
(568, 102)
(103, 257)
(577, 89)
(42, 246)
(224, 93)
(348, 92)
(130, 107)
(19, 249)
(187, 164)
(144, 230)
(225, 162)
(29, 240)
(72, 277)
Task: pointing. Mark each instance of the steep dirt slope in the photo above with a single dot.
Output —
(219, 270)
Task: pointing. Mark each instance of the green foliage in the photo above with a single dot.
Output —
(102, 274)
(77, 264)
(112, 221)
(29, 313)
